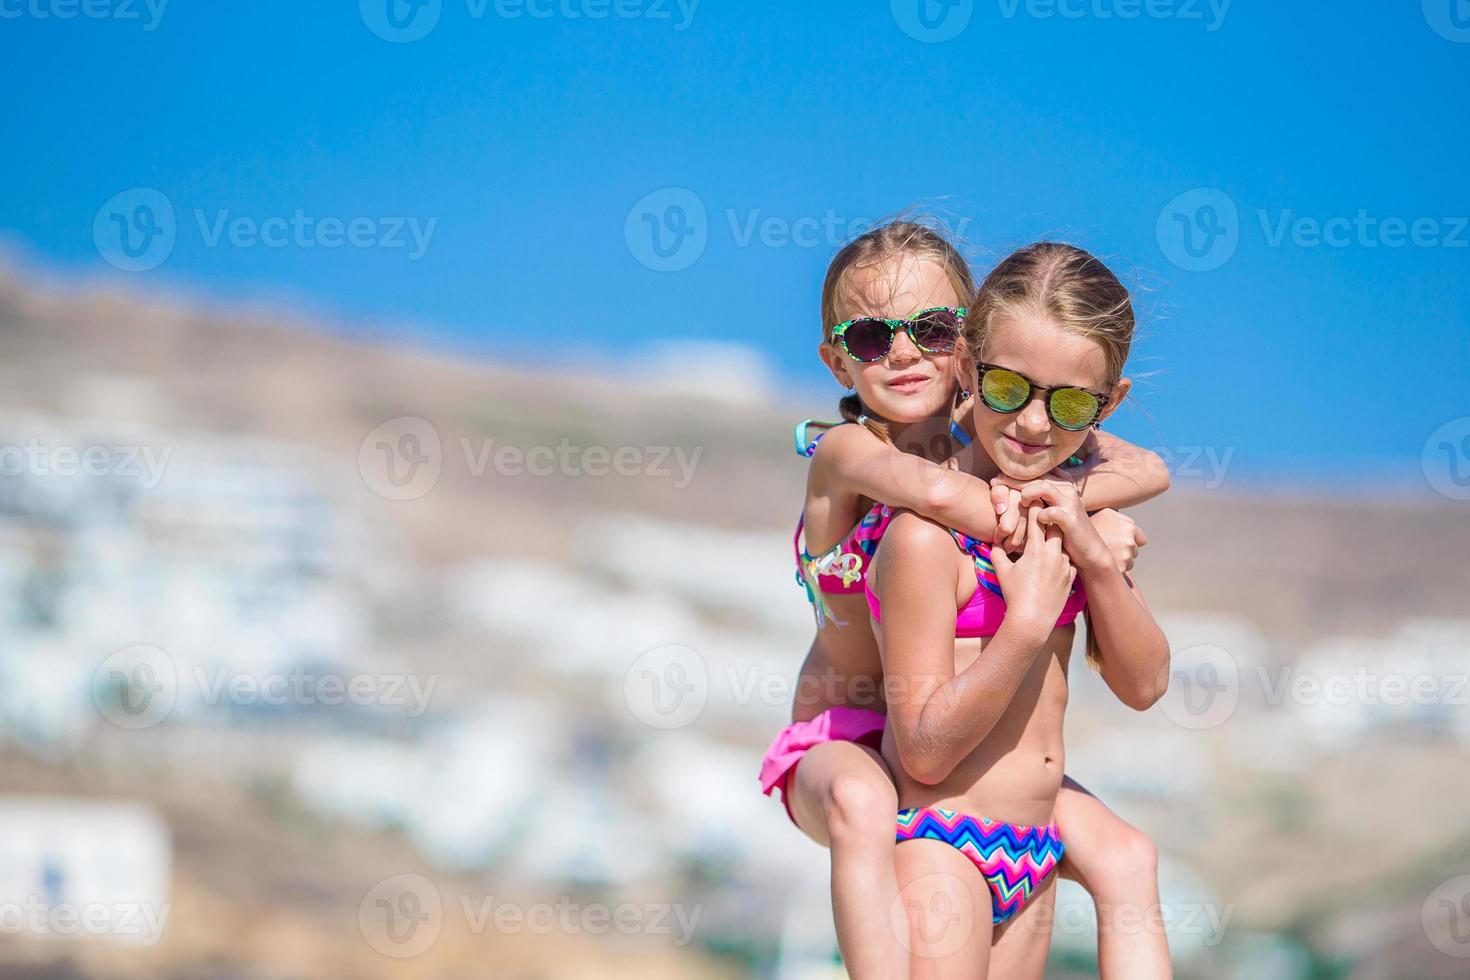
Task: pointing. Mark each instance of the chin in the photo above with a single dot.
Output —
(1023, 471)
(1022, 467)
(908, 411)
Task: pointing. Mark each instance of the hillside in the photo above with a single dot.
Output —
(1290, 563)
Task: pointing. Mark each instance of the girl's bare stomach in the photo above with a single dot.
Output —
(843, 666)
(1014, 774)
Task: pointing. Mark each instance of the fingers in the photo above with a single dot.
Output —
(1007, 515)
(1005, 524)
(1039, 491)
(1139, 538)
(1035, 537)
(1054, 538)
(1000, 497)
(1018, 536)
(1052, 518)
(1010, 527)
(1000, 560)
(1050, 492)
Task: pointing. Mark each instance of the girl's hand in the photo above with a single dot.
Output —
(1010, 516)
(1012, 529)
(1036, 585)
(1060, 507)
(1122, 535)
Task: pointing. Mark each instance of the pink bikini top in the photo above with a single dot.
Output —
(841, 569)
(982, 615)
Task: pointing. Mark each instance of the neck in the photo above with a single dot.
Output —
(930, 438)
(980, 463)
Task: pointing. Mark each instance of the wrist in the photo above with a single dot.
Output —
(1095, 560)
(1088, 550)
(1027, 626)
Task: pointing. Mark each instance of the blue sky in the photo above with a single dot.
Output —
(534, 146)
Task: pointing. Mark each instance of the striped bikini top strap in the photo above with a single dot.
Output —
(979, 552)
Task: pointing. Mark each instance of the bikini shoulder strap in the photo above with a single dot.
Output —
(806, 444)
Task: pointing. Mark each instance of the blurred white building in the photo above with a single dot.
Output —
(73, 869)
(1416, 676)
(226, 552)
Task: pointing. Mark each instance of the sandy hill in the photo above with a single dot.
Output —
(1292, 563)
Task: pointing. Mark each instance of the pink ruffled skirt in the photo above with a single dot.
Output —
(837, 724)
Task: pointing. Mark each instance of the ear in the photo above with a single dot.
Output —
(836, 362)
(1120, 392)
(965, 370)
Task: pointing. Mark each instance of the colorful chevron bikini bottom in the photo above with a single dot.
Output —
(1014, 860)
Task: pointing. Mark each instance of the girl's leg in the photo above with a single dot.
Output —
(948, 907)
(843, 796)
(1118, 865)
(1023, 942)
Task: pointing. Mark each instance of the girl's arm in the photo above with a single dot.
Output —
(1119, 474)
(1114, 474)
(851, 460)
(939, 718)
(1133, 649)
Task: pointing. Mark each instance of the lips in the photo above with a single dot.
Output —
(907, 384)
(1025, 448)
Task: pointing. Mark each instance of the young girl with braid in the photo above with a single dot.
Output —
(891, 310)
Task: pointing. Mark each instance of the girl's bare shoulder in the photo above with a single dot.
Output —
(911, 536)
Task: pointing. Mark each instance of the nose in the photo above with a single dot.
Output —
(903, 351)
(1032, 421)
